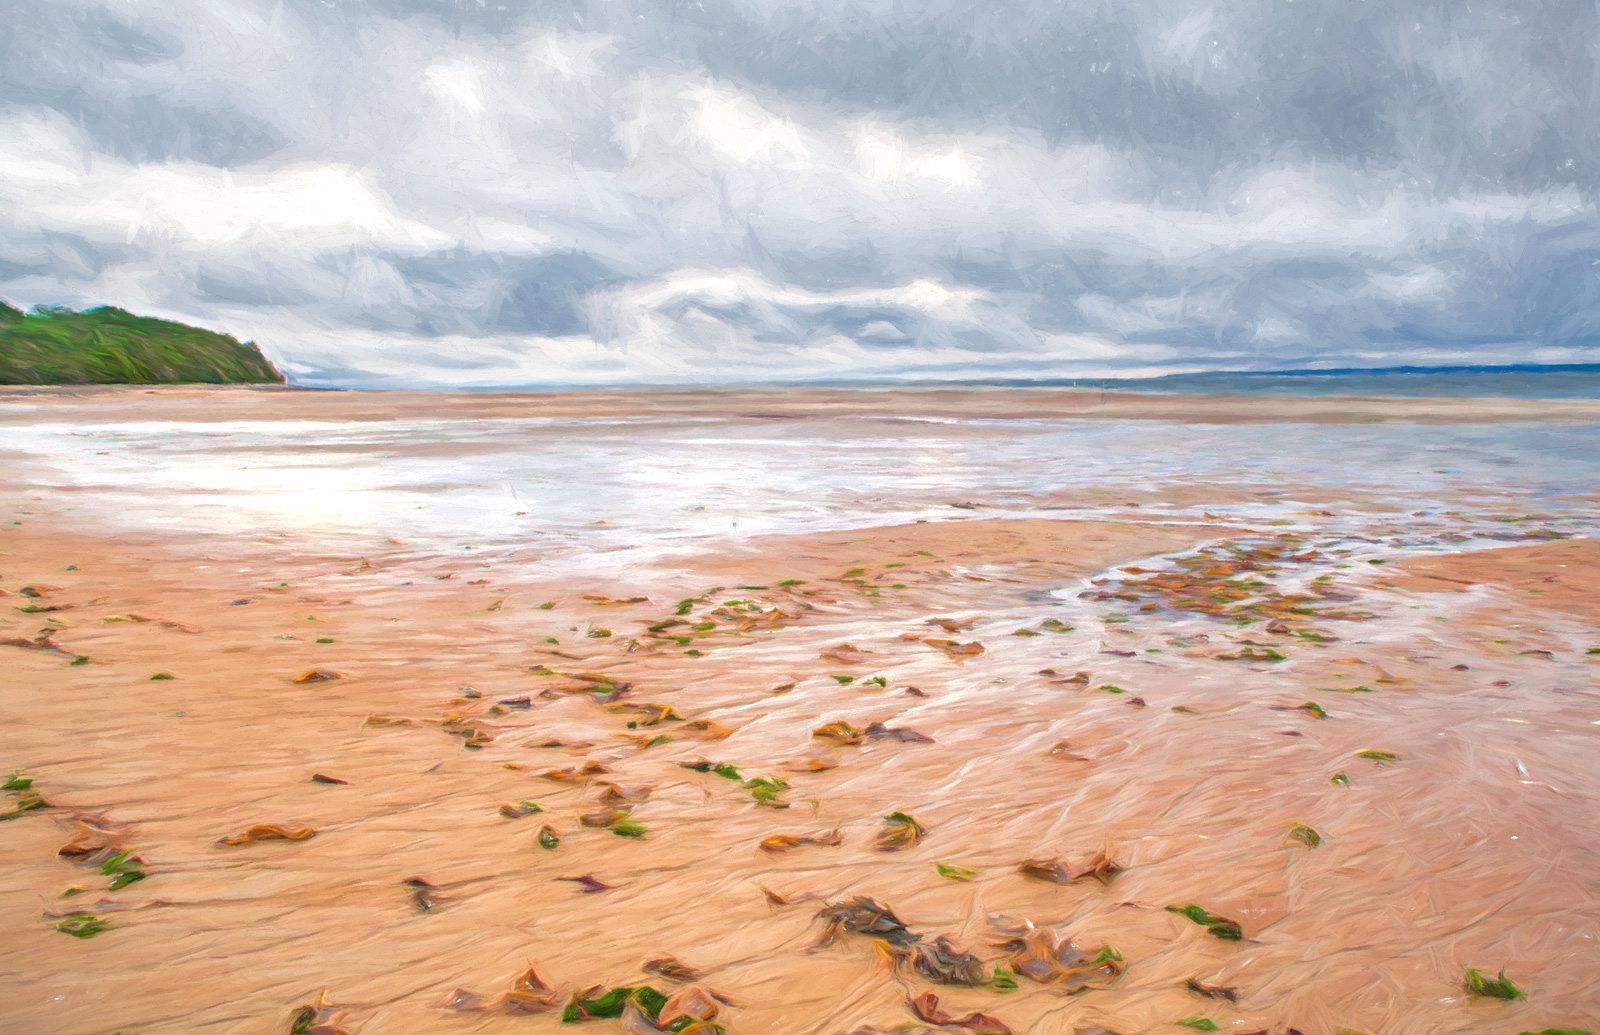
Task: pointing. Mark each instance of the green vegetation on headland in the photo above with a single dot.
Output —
(57, 346)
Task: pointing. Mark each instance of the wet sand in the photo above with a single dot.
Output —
(1474, 846)
(227, 402)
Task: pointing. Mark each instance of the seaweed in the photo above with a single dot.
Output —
(950, 872)
(624, 797)
(598, 1002)
(589, 885)
(123, 869)
(269, 832)
(1252, 654)
(572, 774)
(690, 1010)
(1492, 988)
(768, 791)
(926, 1008)
(865, 916)
(904, 734)
(840, 732)
(670, 967)
(706, 729)
(318, 1018)
(786, 842)
(525, 807)
(722, 769)
(422, 894)
(548, 838)
(1216, 926)
(82, 925)
(956, 651)
(626, 827)
(1100, 867)
(325, 778)
(1037, 954)
(1378, 756)
(26, 799)
(943, 962)
(1051, 871)
(1199, 987)
(1197, 1022)
(528, 993)
(603, 818)
(1339, 778)
(899, 831)
(1305, 835)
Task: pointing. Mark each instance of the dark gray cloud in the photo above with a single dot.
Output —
(449, 191)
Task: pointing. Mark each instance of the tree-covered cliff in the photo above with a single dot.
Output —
(57, 346)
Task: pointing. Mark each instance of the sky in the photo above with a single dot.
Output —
(409, 193)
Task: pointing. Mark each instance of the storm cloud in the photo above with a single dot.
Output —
(414, 192)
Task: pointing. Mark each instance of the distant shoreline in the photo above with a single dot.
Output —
(206, 403)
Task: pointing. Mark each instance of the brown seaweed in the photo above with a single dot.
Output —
(899, 831)
(926, 1008)
(268, 832)
(786, 842)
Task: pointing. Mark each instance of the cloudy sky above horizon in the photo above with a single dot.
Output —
(396, 193)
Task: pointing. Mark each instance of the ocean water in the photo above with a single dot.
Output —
(649, 486)
(1562, 382)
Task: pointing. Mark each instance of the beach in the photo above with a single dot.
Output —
(1110, 654)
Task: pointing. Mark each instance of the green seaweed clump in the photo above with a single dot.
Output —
(585, 1007)
(1305, 835)
(83, 925)
(1492, 988)
(768, 791)
(122, 870)
(1216, 926)
(626, 827)
(27, 799)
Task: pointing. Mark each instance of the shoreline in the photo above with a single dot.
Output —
(269, 402)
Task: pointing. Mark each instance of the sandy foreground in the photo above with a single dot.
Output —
(1184, 752)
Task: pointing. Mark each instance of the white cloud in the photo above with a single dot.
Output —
(697, 181)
